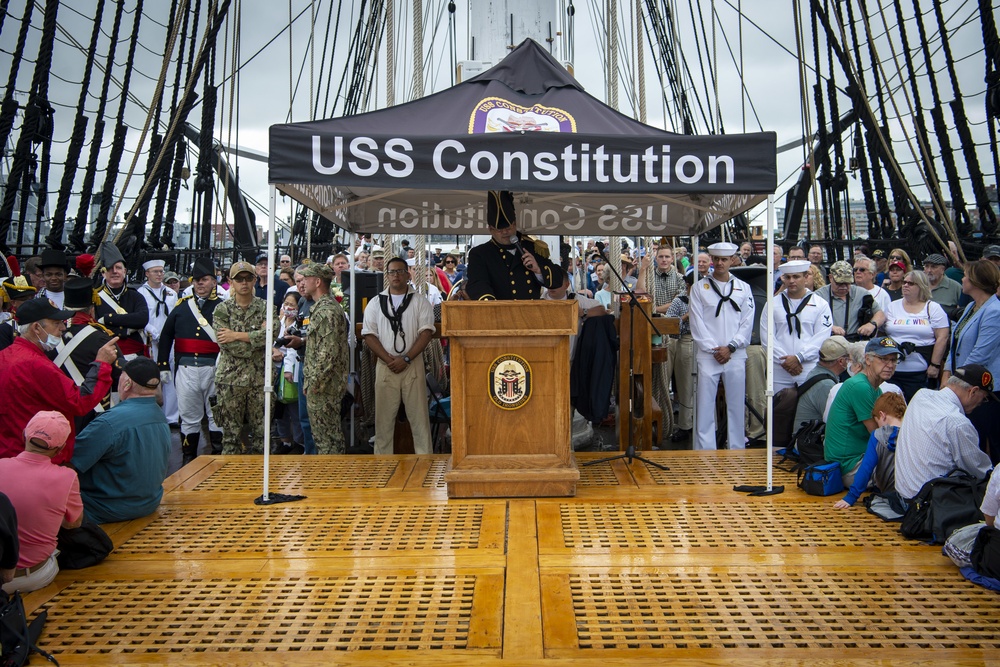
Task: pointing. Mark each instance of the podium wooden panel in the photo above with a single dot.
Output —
(498, 452)
(645, 357)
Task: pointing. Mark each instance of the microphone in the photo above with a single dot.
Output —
(517, 244)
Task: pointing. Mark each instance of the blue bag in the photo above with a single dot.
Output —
(821, 479)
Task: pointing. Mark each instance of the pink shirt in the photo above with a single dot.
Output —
(43, 495)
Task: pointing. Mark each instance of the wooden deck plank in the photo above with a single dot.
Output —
(378, 567)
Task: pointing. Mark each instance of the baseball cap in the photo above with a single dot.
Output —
(241, 267)
(935, 258)
(170, 276)
(991, 251)
(897, 265)
(261, 257)
(834, 348)
(35, 310)
(316, 270)
(144, 372)
(883, 347)
(878, 254)
(48, 429)
(977, 376)
(841, 272)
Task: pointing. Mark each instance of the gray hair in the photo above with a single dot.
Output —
(857, 352)
(919, 279)
(23, 328)
(868, 261)
(958, 383)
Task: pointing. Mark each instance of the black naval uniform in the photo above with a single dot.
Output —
(495, 272)
(197, 353)
(85, 354)
(128, 326)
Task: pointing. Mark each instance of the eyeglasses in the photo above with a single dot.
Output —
(396, 272)
(244, 279)
(449, 262)
(860, 270)
(909, 283)
(888, 360)
(899, 257)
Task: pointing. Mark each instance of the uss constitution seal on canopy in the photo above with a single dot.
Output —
(510, 382)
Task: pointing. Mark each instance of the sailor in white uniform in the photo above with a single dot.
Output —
(802, 321)
(721, 317)
(161, 300)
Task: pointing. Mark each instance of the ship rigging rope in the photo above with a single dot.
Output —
(418, 49)
(390, 55)
(80, 123)
(808, 146)
(888, 157)
(9, 107)
(211, 29)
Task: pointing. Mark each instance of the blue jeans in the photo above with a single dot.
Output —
(307, 435)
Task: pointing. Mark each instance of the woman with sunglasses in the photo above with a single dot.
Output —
(921, 328)
(450, 268)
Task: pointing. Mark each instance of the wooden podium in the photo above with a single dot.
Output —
(645, 356)
(511, 423)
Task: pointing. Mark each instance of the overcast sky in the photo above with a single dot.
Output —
(770, 72)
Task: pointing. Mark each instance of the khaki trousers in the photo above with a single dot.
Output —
(410, 389)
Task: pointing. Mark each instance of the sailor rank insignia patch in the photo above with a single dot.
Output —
(510, 382)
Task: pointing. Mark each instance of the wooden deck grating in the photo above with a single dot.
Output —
(378, 566)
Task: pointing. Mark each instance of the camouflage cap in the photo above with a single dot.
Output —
(841, 272)
(316, 270)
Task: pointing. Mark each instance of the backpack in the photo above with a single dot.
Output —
(786, 402)
(942, 506)
(985, 554)
(805, 448)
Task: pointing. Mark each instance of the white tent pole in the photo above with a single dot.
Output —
(694, 365)
(269, 341)
(769, 384)
(352, 343)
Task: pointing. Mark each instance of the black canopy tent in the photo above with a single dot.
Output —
(574, 165)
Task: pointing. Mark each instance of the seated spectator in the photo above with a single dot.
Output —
(46, 498)
(879, 459)
(850, 423)
(856, 365)
(834, 358)
(937, 437)
(122, 455)
(10, 548)
(991, 501)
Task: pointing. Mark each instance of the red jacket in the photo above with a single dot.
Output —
(29, 383)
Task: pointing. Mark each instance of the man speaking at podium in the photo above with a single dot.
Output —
(508, 267)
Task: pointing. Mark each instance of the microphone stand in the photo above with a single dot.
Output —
(629, 454)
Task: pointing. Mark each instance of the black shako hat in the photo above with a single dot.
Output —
(51, 257)
(78, 294)
(500, 212)
(202, 267)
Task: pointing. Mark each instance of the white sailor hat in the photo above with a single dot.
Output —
(411, 261)
(153, 263)
(795, 266)
(723, 249)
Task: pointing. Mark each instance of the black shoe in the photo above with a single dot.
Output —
(280, 448)
(296, 449)
(680, 435)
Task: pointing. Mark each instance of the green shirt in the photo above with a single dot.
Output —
(846, 435)
(327, 355)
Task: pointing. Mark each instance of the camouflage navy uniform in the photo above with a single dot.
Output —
(324, 373)
(239, 375)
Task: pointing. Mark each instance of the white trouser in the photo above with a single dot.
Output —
(734, 376)
(782, 379)
(194, 384)
(169, 394)
(410, 389)
(40, 578)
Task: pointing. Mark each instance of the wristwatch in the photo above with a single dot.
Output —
(732, 348)
(406, 358)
